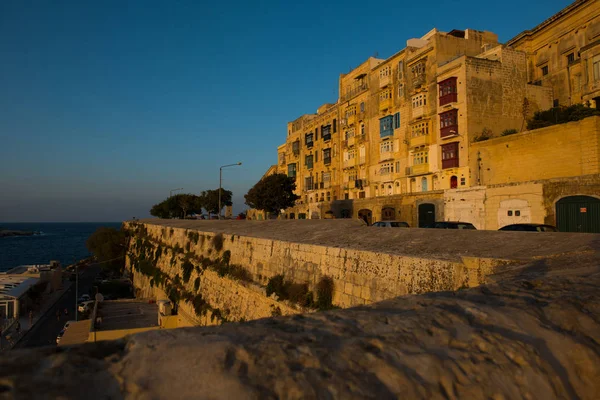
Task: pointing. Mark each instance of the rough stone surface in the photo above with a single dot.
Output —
(430, 243)
(533, 332)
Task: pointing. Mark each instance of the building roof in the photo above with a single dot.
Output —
(15, 286)
(77, 333)
(127, 314)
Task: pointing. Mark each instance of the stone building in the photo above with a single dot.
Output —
(408, 137)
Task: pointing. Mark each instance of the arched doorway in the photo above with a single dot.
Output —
(426, 214)
(453, 182)
(366, 215)
(578, 214)
(388, 213)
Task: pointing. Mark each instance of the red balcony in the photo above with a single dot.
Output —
(451, 130)
(448, 98)
(451, 163)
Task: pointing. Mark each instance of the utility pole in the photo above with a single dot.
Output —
(220, 182)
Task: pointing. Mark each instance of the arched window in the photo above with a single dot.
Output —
(423, 184)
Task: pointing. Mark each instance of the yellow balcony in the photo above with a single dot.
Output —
(419, 169)
(420, 140)
(349, 163)
(385, 104)
(351, 120)
(386, 155)
(385, 80)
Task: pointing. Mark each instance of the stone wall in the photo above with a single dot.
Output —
(359, 276)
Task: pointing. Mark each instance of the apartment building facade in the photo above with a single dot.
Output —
(401, 140)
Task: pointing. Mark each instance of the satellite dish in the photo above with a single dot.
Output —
(99, 297)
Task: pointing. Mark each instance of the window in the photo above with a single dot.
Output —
(316, 156)
(596, 68)
(386, 169)
(517, 213)
(349, 133)
(419, 100)
(326, 132)
(421, 157)
(334, 125)
(385, 126)
(362, 129)
(292, 170)
(400, 90)
(449, 123)
(327, 156)
(450, 155)
(362, 106)
(296, 147)
(350, 111)
(308, 140)
(316, 133)
(420, 129)
(397, 120)
(326, 178)
(385, 72)
(281, 158)
(453, 182)
(544, 70)
(509, 213)
(308, 161)
(570, 58)
(418, 70)
(423, 184)
(400, 69)
(386, 147)
(555, 103)
(447, 91)
(308, 183)
(397, 169)
(463, 181)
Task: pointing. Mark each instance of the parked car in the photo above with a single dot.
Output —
(84, 297)
(391, 224)
(529, 228)
(451, 225)
(60, 335)
(85, 306)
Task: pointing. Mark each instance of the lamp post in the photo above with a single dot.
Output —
(173, 190)
(221, 179)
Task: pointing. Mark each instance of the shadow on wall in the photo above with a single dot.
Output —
(342, 209)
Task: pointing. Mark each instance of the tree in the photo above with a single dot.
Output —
(109, 246)
(178, 206)
(210, 200)
(273, 193)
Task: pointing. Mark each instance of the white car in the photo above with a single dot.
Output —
(85, 306)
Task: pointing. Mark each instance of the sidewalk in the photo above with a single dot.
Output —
(10, 337)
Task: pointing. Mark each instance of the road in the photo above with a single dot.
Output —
(45, 331)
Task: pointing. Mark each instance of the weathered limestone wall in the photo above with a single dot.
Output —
(359, 276)
(230, 300)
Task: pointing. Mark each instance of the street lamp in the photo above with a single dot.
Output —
(173, 190)
(221, 179)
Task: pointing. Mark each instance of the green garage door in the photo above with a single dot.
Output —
(578, 214)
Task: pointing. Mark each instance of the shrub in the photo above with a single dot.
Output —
(560, 115)
(325, 293)
(240, 273)
(275, 285)
(507, 132)
(187, 268)
(485, 135)
(197, 284)
(217, 241)
(226, 257)
(299, 294)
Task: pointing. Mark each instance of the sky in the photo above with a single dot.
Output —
(105, 106)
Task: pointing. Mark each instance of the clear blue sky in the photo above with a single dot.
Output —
(107, 105)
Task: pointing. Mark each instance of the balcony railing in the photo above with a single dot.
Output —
(449, 131)
(386, 155)
(355, 91)
(451, 163)
(418, 169)
(420, 140)
(448, 98)
(385, 104)
(385, 80)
